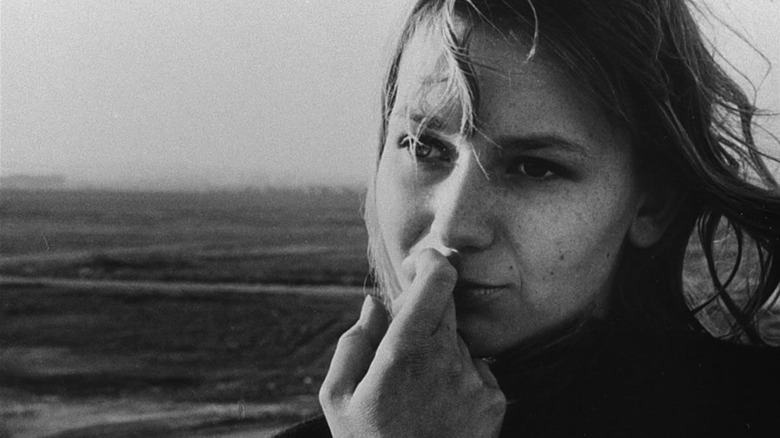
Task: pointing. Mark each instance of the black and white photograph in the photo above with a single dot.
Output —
(389, 218)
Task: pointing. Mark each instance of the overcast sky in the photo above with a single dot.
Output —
(211, 93)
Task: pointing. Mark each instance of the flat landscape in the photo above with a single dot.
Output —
(129, 314)
(172, 314)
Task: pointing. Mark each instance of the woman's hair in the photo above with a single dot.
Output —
(647, 66)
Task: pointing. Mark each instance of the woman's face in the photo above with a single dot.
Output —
(537, 203)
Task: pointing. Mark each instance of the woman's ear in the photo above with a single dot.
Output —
(657, 209)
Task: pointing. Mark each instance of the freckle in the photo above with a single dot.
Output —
(563, 256)
(552, 273)
(511, 268)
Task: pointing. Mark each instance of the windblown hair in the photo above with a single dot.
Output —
(648, 67)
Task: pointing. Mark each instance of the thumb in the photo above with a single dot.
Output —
(428, 303)
(483, 369)
(374, 320)
(355, 351)
(481, 366)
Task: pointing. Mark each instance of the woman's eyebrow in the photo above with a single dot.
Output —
(517, 143)
(542, 141)
(432, 122)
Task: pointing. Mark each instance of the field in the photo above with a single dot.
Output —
(280, 236)
(172, 314)
(186, 314)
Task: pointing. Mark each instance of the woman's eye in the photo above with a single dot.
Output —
(535, 168)
(425, 148)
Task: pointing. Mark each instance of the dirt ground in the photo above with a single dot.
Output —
(88, 359)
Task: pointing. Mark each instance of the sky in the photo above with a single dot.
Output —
(200, 94)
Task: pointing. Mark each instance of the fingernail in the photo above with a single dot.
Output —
(368, 306)
(453, 256)
(409, 267)
(414, 263)
(446, 251)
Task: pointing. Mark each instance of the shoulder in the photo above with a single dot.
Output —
(689, 386)
(640, 384)
(315, 427)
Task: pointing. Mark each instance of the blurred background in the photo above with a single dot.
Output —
(181, 240)
(206, 94)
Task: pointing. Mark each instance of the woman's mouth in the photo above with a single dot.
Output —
(473, 294)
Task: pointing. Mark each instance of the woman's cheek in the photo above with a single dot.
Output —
(569, 251)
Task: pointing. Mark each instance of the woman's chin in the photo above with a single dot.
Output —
(485, 338)
(491, 336)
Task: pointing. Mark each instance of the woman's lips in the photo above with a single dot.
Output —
(473, 294)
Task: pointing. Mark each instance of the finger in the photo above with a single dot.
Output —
(409, 270)
(481, 366)
(429, 298)
(465, 353)
(483, 369)
(409, 265)
(374, 319)
(355, 351)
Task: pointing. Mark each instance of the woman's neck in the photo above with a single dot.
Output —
(542, 367)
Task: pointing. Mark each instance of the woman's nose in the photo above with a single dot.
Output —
(463, 207)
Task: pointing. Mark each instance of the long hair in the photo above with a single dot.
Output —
(647, 66)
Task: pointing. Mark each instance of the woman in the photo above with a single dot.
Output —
(542, 169)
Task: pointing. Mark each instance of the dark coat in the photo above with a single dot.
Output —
(627, 383)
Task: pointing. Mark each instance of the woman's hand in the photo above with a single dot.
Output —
(415, 377)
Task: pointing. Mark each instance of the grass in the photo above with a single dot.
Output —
(64, 346)
(167, 360)
(290, 237)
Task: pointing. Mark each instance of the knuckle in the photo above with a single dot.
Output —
(353, 333)
(411, 359)
(445, 279)
(331, 400)
(499, 398)
(497, 405)
(454, 369)
(326, 396)
(440, 271)
(429, 255)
